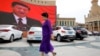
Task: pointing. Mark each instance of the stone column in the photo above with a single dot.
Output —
(88, 26)
(98, 25)
(58, 22)
(61, 22)
(92, 26)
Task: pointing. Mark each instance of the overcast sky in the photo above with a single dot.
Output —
(74, 9)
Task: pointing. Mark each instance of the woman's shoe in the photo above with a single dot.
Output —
(54, 53)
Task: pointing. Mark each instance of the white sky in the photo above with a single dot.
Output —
(74, 9)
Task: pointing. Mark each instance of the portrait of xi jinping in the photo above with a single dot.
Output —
(18, 16)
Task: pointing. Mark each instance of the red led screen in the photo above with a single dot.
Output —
(35, 10)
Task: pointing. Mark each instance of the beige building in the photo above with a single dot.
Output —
(42, 2)
(65, 21)
(80, 24)
(93, 19)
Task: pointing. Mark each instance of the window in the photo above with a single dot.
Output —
(38, 1)
(42, 2)
(68, 28)
(95, 23)
(15, 27)
(34, 0)
(62, 23)
(57, 28)
(57, 22)
(45, 2)
(65, 22)
(70, 23)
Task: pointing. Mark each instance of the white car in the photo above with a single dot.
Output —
(64, 32)
(34, 34)
(9, 32)
(89, 32)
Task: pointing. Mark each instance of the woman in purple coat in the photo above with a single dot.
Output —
(46, 46)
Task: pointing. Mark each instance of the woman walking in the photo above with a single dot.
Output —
(46, 46)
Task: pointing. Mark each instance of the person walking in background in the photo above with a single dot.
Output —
(46, 46)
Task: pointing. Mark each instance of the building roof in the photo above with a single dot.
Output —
(67, 18)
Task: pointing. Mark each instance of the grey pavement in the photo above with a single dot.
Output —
(87, 47)
(8, 53)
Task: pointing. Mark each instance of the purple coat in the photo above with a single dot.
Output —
(46, 34)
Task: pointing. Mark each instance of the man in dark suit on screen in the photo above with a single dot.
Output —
(18, 17)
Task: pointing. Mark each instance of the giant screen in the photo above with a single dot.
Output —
(34, 12)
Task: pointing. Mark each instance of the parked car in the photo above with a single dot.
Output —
(9, 32)
(81, 33)
(89, 33)
(63, 32)
(34, 34)
(96, 33)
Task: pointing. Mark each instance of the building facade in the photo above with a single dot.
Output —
(80, 24)
(42, 2)
(92, 21)
(65, 21)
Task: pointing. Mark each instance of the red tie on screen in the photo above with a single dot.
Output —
(21, 26)
(20, 22)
